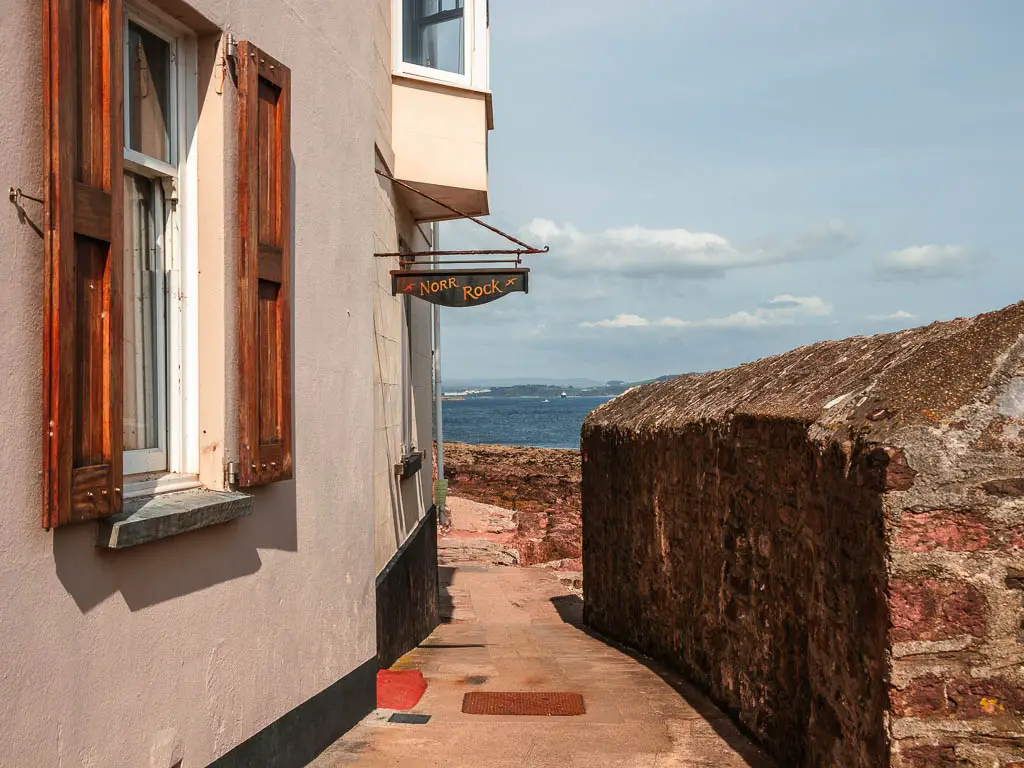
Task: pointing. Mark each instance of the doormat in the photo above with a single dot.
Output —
(523, 703)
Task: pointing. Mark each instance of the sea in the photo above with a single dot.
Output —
(530, 421)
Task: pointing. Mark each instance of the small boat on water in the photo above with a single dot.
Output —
(564, 395)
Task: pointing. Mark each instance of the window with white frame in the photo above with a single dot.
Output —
(445, 40)
(159, 120)
(434, 34)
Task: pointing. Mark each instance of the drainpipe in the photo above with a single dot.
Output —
(407, 374)
(441, 487)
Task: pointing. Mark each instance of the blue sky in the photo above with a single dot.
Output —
(722, 180)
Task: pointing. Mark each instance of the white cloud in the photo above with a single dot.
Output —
(619, 321)
(899, 314)
(639, 252)
(780, 311)
(926, 261)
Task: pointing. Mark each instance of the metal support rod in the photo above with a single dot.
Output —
(481, 252)
(472, 261)
(442, 515)
(407, 377)
(461, 214)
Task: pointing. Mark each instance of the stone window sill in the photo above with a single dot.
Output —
(150, 518)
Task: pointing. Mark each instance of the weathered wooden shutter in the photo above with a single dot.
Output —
(264, 269)
(83, 314)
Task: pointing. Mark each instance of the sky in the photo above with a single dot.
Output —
(722, 180)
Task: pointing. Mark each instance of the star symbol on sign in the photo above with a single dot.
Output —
(512, 281)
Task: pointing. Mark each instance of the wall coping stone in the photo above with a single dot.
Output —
(876, 384)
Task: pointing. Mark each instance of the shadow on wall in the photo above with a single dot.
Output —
(445, 602)
(164, 570)
(407, 594)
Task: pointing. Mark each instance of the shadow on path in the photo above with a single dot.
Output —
(570, 610)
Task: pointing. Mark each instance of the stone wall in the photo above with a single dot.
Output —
(830, 542)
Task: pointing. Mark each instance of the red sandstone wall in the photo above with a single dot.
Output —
(858, 607)
(956, 534)
(541, 485)
(830, 540)
(740, 554)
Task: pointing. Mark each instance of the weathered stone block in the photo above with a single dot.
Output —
(924, 697)
(1017, 538)
(986, 697)
(1013, 486)
(959, 698)
(931, 756)
(940, 529)
(928, 609)
(1014, 579)
(899, 476)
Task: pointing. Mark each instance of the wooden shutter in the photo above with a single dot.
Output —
(264, 268)
(83, 314)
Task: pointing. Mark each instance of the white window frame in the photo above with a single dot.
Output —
(154, 459)
(178, 368)
(475, 46)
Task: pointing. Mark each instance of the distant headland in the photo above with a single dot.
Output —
(547, 390)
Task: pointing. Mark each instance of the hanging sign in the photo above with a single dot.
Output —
(459, 287)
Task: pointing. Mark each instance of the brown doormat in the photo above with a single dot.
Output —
(514, 703)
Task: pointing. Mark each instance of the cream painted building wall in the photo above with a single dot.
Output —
(186, 647)
(398, 505)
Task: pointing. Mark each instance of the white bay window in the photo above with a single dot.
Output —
(443, 40)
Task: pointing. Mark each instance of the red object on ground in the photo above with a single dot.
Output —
(400, 690)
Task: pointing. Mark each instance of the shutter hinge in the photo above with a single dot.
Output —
(232, 473)
(230, 56)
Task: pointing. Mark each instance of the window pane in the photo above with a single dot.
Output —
(143, 313)
(434, 35)
(148, 93)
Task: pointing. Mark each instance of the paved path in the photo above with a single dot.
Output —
(519, 629)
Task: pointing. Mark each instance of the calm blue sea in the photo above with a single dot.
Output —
(554, 423)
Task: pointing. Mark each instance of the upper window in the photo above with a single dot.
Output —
(444, 40)
(434, 34)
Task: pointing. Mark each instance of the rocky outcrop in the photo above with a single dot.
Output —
(540, 485)
(829, 541)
